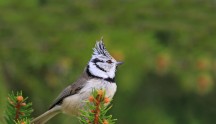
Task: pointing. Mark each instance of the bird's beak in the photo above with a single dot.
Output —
(119, 63)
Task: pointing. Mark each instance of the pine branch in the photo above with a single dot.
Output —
(18, 111)
(96, 109)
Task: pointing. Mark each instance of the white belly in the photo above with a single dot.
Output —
(72, 104)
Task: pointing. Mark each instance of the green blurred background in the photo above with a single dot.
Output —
(168, 47)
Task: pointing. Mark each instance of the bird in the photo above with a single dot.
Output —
(98, 74)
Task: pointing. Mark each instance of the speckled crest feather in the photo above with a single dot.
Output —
(100, 49)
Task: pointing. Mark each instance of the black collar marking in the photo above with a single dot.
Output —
(112, 80)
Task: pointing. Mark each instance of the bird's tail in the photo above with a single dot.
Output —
(42, 119)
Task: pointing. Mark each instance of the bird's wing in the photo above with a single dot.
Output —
(68, 91)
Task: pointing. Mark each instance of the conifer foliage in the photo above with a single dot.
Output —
(96, 109)
(18, 111)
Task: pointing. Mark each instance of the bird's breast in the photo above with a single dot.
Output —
(72, 104)
(96, 84)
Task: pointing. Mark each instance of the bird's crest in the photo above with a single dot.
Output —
(100, 49)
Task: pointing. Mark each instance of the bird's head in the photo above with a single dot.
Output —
(102, 64)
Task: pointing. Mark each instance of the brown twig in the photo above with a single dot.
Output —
(18, 106)
(97, 110)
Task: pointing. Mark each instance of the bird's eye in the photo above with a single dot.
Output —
(109, 61)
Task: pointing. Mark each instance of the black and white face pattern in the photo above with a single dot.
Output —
(102, 64)
(103, 67)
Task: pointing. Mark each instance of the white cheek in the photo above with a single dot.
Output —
(106, 67)
(111, 73)
(110, 69)
(97, 72)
